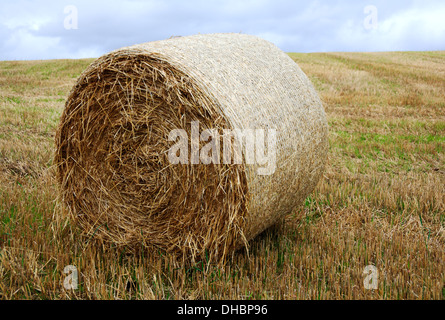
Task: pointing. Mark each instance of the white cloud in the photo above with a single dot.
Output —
(420, 28)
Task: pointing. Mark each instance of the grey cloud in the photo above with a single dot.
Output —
(30, 30)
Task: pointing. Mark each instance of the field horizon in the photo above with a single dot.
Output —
(380, 203)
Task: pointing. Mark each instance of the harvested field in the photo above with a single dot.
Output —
(380, 202)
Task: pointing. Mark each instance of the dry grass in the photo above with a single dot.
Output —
(381, 200)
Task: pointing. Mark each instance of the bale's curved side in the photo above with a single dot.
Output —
(112, 143)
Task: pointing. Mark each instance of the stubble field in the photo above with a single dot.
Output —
(381, 201)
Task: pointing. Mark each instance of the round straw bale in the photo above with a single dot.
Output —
(114, 156)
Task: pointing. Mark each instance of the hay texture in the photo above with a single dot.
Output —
(113, 169)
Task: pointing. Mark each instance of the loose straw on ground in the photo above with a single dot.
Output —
(114, 173)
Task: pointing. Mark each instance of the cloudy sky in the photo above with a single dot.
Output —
(45, 29)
